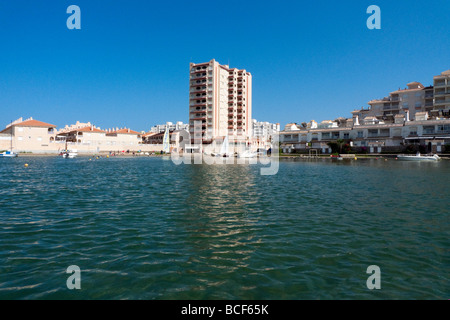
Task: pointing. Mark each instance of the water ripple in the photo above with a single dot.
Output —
(144, 228)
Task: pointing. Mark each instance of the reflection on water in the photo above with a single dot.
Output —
(220, 239)
(146, 228)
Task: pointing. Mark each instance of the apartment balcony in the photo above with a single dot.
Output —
(196, 116)
(378, 135)
(439, 84)
(198, 91)
(198, 111)
(195, 103)
(194, 83)
(194, 71)
(198, 105)
(441, 101)
(192, 108)
(390, 107)
(197, 97)
(199, 119)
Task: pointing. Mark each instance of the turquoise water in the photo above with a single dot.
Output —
(144, 228)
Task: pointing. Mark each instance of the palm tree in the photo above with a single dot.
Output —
(340, 142)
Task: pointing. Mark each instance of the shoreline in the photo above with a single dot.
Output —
(282, 156)
(103, 155)
(358, 156)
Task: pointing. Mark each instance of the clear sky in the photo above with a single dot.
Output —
(129, 63)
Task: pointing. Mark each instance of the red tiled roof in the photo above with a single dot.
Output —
(126, 131)
(149, 134)
(34, 123)
(89, 129)
(30, 123)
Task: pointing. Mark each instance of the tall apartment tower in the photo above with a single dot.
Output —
(221, 98)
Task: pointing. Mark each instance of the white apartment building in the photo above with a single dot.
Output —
(415, 99)
(179, 125)
(416, 115)
(442, 93)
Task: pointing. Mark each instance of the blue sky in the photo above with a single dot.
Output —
(129, 63)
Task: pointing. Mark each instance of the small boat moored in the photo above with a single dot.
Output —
(8, 154)
(247, 154)
(69, 154)
(418, 157)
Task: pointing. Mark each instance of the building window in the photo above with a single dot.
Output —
(428, 129)
(346, 135)
(360, 134)
(443, 128)
(373, 133)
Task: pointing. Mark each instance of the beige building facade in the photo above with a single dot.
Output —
(34, 136)
(28, 136)
(416, 115)
(415, 99)
(220, 98)
(442, 92)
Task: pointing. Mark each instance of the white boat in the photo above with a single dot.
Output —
(166, 142)
(11, 153)
(247, 154)
(418, 157)
(224, 150)
(8, 154)
(69, 154)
